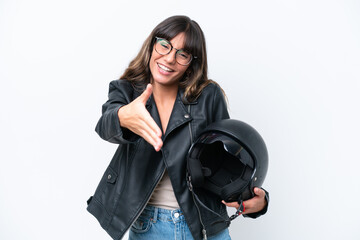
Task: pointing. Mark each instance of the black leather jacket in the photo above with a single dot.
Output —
(136, 167)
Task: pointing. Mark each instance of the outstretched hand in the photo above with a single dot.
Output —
(135, 117)
(255, 204)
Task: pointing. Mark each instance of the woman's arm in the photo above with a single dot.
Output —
(137, 119)
(124, 119)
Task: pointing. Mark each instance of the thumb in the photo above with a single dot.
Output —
(259, 192)
(146, 94)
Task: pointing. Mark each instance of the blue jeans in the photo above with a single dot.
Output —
(162, 224)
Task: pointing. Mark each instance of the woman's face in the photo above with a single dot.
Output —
(164, 68)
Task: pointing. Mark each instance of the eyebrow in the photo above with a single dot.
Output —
(183, 48)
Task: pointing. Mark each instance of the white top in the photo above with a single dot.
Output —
(163, 195)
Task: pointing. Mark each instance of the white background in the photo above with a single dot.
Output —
(289, 68)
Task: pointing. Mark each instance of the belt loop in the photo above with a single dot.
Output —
(156, 211)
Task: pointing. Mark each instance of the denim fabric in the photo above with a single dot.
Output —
(162, 224)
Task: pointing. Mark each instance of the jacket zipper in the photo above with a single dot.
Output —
(197, 207)
(142, 209)
(191, 138)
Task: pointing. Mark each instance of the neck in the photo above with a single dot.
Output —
(164, 93)
(165, 97)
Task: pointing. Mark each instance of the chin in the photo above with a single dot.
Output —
(165, 81)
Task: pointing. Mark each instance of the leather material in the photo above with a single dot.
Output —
(136, 167)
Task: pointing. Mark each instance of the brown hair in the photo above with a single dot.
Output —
(195, 77)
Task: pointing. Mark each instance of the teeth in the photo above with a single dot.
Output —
(164, 68)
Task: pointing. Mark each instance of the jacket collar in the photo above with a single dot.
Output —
(180, 113)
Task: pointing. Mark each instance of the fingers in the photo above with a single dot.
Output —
(146, 94)
(144, 125)
(231, 204)
(259, 192)
(152, 138)
(137, 119)
(147, 118)
(151, 124)
(255, 204)
(151, 131)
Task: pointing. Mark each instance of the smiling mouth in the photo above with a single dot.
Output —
(162, 67)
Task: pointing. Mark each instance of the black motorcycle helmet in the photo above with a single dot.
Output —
(229, 158)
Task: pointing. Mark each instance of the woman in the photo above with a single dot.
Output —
(154, 112)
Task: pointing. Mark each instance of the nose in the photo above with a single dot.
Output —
(170, 57)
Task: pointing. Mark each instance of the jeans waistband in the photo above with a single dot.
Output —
(162, 214)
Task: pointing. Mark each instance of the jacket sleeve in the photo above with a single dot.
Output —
(108, 126)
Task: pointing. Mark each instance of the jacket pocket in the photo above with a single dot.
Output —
(106, 190)
(111, 175)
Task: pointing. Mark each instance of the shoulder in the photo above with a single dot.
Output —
(212, 90)
(216, 101)
(121, 84)
(128, 86)
(122, 89)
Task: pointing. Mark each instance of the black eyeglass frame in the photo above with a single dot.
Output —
(177, 50)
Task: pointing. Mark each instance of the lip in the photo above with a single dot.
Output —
(162, 71)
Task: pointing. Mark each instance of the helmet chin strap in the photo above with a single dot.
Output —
(239, 210)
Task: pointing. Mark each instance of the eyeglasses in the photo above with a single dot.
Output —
(164, 47)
